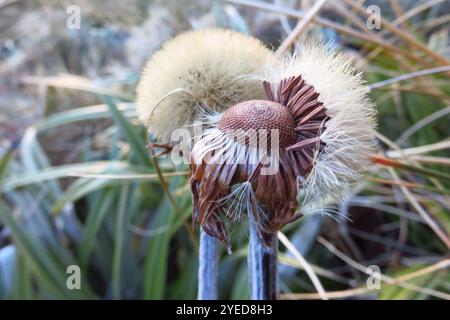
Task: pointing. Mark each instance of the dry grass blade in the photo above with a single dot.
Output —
(397, 8)
(392, 91)
(401, 34)
(431, 159)
(68, 81)
(422, 123)
(415, 11)
(331, 294)
(408, 76)
(326, 23)
(384, 278)
(396, 183)
(419, 273)
(301, 27)
(308, 269)
(425, 216)
(402, 17)
(127, 176)
(434, 22)
(349, 14)
(442, 145)
(341, 294)
(408, 167)
(172, 201)
(401, 152)
(292, 262)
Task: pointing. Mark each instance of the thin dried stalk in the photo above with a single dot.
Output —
(329, 24)
(301, 27)
(425, 216)
(166, 190)
(419, 150)
(408, 76)
(340, 294)
(383, 278)
(422, 123)
(306, 266)
(402, 35)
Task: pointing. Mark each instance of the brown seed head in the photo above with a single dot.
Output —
(260, 115)
(292, 107)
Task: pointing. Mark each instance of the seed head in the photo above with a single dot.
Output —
(318, 106)
(349, 135)
(305, 117)
(217, 67)
(259, 115)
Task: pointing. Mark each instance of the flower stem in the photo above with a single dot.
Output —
(262, 265)
(208, 267)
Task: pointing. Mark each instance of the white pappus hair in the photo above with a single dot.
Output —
(350, 130)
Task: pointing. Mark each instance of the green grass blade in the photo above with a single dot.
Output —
(158, 249)
(137, 143)
(120, 229)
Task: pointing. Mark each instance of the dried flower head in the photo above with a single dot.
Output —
(315, 128)
(213, 65)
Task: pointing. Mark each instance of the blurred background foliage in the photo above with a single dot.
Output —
(78, 186)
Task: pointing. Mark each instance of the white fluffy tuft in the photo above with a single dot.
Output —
(350, 131)
(218, 67)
